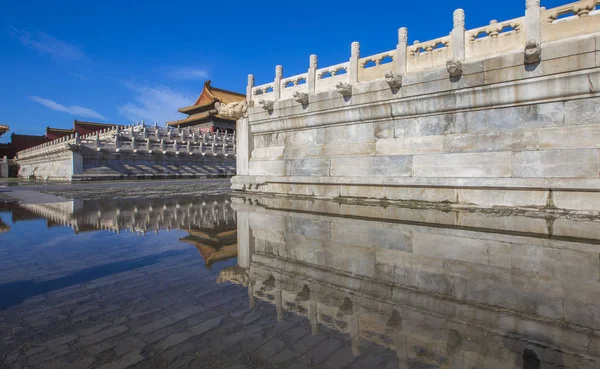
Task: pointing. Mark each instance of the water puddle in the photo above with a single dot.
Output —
(269, 282)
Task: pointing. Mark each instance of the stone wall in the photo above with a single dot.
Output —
(505, 130)
(61, 165)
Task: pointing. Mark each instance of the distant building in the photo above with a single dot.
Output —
(203, 114)
(80, 127)
(56, 133)
(20, 142)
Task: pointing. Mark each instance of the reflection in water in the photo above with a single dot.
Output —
(209, 220)
(444, 289)
(3, 226)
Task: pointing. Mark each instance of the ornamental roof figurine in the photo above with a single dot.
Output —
(3, 129)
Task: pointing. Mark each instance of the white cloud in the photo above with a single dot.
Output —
(188, 73)
(154, 103)
(79, 111)
(46, 44)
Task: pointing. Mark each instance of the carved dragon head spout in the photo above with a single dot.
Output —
(234, 110)
(266, 104)
(344, 88)
(533, 52)
(301, 97)
(454, 68)
(394, 80)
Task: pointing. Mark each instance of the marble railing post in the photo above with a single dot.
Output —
(458, 35)
(277, 82)
(244, 146)
(401, 50)
(532, 21)
(311, 79)
(117, 142)
(249, 88)
(353, 68)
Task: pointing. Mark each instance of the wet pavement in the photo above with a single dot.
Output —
(213, 281)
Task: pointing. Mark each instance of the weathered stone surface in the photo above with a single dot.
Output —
(582, 163)
(576, 200)
(410, 146)
(267, 167)
(503, 197)
(310, 167)
(463, 165)
(571, 137)
(371, 166)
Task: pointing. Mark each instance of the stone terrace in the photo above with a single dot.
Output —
(136, 151)
(504, 114)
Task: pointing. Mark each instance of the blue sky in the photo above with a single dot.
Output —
(124, 61)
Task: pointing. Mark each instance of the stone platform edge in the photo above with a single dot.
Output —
(560, 193)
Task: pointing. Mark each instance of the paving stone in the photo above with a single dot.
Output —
(49, 354)
(341, 358)
(294, 334)
(298, 366)
(241, 312)
(252, 317)
(82, 364)
(188, 313)
(61, 340)
(156, 325)
(270, 348)
(174, 339)
(102, 335)
(247, 331)
(126, 361)
(308, 342)
(283, 356)
(206, 326)
(324, 350)
(368, 362)
(250, 344)
(131, 344)
(93, 329)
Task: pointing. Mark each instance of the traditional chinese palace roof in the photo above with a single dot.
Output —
(54, 133)
(203, 110)
(3, 129)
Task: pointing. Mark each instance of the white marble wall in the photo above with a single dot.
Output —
(530, 132)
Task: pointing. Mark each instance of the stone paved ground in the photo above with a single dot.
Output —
(121, 189)
(167, 315)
